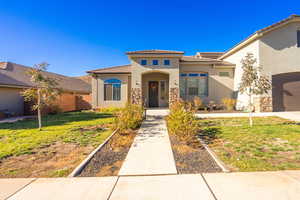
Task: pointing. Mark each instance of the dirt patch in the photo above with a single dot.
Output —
(192, 158)
(55, 160)
(108, 161)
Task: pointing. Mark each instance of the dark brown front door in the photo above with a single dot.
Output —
(286, 92)
(153, 94)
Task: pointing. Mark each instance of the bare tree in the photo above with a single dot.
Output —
(253, 81)
(44, 91)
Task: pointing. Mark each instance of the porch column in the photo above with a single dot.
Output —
(136, 87)
(174, 87)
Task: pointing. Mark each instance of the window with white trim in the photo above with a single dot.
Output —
(193, 84)
(112, 90)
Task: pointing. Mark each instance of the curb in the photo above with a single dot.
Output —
(214, 156)
(82, 165)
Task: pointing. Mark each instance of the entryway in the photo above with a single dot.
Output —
(153, 93)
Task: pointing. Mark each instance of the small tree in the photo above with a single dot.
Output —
(44, 91)
(253, 82)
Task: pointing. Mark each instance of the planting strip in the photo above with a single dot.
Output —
(82, 165)
(214, 156)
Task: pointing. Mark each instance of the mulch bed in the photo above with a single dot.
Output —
(108, 161)
(192, 158)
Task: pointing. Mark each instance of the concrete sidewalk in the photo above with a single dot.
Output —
(280, 185)
(150, 153)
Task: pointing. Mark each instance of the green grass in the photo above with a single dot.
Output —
(271, 144)
(23, 137)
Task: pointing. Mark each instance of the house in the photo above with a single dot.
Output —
(156, 78)
(14, 79)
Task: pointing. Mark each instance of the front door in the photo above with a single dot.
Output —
(153, 94)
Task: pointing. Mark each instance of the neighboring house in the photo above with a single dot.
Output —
(156, 78)
(14, 79)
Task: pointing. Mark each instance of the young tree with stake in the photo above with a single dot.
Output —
(44, 91)
(253, 81)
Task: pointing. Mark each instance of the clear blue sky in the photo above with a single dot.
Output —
(76, 36)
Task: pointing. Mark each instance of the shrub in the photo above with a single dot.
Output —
(182, 121)
(129, 117)
(229, 103)
(197, 102)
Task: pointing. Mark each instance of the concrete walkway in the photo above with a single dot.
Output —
(150, 153)
(280, 185)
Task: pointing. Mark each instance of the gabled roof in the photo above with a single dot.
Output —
(15, 75)
(154, 51)
(122, 69)
(260, 33)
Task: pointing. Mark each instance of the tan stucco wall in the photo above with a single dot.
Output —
(276, 53)
(98, 90)
(11, 100)
(278, 50)
(218, 87)
(171, 70)
(242, 100)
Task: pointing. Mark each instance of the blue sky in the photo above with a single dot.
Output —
(76, 36)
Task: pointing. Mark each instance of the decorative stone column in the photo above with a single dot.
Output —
(263, 104)
(174, 95)
(136, 96)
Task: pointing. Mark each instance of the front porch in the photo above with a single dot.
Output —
(155, 89)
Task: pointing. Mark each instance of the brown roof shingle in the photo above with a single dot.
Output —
(15, 75)
(122, 69)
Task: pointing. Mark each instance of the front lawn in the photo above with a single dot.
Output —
(271, 144)
(55, 151)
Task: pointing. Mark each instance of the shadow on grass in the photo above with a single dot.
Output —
(55, 120)
(209, 134)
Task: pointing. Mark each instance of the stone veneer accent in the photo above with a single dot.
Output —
(136, 96)
(263, 104)
(174, 95)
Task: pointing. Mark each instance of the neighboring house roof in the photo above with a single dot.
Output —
(213, 55)
(260, 33)
(198, 59)
(122, 69)
(154, 51)
(15, 75)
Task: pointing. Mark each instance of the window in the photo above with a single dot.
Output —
(112, 90)
(183, 75)
(298, 38)
(154, 62)
(143, 62)
(193, 85)
(163, 91)
(166, 62)
(225, 74)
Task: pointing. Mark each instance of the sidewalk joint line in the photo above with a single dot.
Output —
(21, 188)
(211, 191)
(112, 190)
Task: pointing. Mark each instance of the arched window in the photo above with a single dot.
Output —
(112, 90)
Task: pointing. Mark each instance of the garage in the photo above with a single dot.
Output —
(286, 92)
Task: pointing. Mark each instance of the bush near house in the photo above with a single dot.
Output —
(129, 117)
(182, 121)
(229, 103)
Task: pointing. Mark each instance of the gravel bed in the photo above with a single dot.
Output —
(191, 159)
(108, 161)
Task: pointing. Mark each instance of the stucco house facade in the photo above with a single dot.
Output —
(156, 78)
